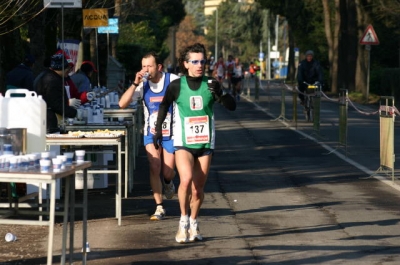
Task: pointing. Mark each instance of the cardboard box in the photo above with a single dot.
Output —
(94, 181)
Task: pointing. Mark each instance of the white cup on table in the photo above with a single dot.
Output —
(70, 157)
(45, 165)
(80, 156)
(63, 159)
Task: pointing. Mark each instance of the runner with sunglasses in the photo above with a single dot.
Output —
(193, 97)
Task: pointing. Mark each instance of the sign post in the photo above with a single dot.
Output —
(94, 18)
(369, 38)
(111, 28)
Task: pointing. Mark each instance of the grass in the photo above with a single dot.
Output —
(359, 98)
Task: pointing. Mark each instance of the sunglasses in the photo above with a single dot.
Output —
(202, 62)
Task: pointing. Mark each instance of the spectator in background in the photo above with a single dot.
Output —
(170, 67)
(82, 78)
(46, 64)
(22, 75)
(253, 69)
(211, 64)
(219, 70)
(230, 65)
(237, 77)
(51, 87)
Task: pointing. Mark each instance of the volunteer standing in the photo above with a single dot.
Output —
(162, 161)
(193, 97)
(51, 87)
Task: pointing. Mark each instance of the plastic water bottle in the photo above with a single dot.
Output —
(145, 76)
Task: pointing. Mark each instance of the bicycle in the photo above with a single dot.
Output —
(309, 94)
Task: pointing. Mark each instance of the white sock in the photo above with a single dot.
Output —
(185, 218)
(193, 221)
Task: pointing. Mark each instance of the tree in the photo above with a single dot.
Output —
(186, 34)
(332, 26)
(26, 27)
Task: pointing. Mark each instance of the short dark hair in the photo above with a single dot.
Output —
(155, 55)
(86, 68)
(184, 55)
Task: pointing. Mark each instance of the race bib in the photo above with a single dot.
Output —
(197, 130)
(166, 125)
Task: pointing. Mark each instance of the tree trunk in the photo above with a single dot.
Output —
(291, 64)
(362, 58)
(332, 33)
(347, 45)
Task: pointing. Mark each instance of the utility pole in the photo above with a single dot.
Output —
(216, 34)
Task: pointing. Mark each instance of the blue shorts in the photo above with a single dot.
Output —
(167, 145)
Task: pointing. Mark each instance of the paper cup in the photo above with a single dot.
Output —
(70, 157)
(32, 160)
(80, 156)
(45, 155)
(56, 164)
(45, 165)
(10, 237)
(14, 163)
(63, 159)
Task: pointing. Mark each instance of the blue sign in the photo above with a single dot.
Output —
(261, 55)
(111, 28)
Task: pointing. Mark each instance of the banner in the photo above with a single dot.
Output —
(93, 18)
(71, 48)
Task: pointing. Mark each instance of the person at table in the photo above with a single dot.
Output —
(50, 86)
(161, 161)
(76, 98)
(82, 78)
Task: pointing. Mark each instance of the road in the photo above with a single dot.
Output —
(274, 196)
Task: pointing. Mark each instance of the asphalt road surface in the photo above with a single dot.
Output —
(278, 192)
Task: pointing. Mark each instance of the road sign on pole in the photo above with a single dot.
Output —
(63, 3)
(369, 37)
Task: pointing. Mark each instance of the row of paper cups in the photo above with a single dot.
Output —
(44, 160)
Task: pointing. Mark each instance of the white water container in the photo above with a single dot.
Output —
(21, 108)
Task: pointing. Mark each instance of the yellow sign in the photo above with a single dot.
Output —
(93, 18)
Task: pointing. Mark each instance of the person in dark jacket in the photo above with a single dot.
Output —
(309, 71)
(51, 87)
(22, 75)
(82, 78)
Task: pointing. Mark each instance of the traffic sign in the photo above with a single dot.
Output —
(62, 3)
(112, 27)
(369, 37)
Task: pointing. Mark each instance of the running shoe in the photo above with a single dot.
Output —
(169, 190)
(159, 214)
(194, 232)
(182, 236)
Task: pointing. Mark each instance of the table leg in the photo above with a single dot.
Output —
(126, 162)
(118, 197)
(65, 221)
(51, 222)
(40, 200)
(84, 218)
(72, 219)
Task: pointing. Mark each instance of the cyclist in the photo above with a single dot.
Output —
(309, 71)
